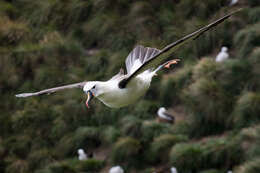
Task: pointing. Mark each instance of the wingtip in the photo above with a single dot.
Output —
(23, 95)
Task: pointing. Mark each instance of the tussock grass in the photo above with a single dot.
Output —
(126, 150)
(186, 157)
(131, 126)
(152, 129)
(213, 153)
(247, 110)
(246, 39)
(171, 87)
(12, 32)
(207, 104)
(210, 171)
(110, 134)
(254, 14)
(39, 158)
(162, 144)
(90, 165)
(19, 166)
(252, 166)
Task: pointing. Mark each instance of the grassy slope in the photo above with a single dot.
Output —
(54, 42)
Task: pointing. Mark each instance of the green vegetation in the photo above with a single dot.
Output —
(54, 42)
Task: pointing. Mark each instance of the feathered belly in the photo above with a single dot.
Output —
(117, 97)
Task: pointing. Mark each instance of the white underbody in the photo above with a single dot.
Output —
(116, 97)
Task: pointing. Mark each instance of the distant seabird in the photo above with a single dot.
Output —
(173, 170)
(233, 2)
(141, 65)
(116, 169)
(82, 155)
(222, 55)
(163, 115)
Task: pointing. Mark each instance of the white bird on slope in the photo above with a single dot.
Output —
(141, 64)
(164, 115)
(116, 169)
(82, 155)
(173, 170)
(233, 2)
(222, 55)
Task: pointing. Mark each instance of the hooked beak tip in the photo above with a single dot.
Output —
(90, 96)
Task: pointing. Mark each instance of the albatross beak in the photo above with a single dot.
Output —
(90, 97)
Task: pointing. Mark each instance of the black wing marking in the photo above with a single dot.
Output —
(52, 90)
(162, 55)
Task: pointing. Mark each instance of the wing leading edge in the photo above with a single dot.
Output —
(165, 52)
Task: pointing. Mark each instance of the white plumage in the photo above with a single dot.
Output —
(233, 2)
(82, 155)
(116, 169)
(222, 55)
(173, 170)
(162, 113)
(141, 65)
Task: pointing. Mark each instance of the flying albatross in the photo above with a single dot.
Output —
(141, 65)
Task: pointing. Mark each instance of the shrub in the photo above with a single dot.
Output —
(210, 119)
(222, 152)
(186, 157)
(171, 87)
(211, 171)
(254, 14)
(228, 79)
(252, 166)
(61, 167)
(161, 145)
(39, 158)
(19, 166)
(19, 146)
(247, 110)
(152, 129)
(253, 3)
(246, 39)
(110, 134)
(206, 68)
(126, 150)
(131, 126)
(254, 60)
(13, 32)
(88, 137)
(90, 165)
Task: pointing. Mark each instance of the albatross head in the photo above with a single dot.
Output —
(93, 89)
(224, 49)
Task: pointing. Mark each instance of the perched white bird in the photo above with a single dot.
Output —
(82, 155)
(222, 55)
(233, 2)
(173, 170)
(116, 169)
(141, 65)
(164, 116)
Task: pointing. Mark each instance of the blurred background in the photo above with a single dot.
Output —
(216, 105)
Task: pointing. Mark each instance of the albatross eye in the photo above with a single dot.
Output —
(94, 87)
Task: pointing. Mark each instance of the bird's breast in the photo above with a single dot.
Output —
(118, 97)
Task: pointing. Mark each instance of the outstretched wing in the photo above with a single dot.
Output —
(138, 56)
(52, 90)
(165, 52)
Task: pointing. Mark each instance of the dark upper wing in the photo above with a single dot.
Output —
(139, 52)
(162, 55)
(52, 90)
